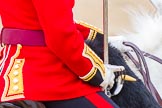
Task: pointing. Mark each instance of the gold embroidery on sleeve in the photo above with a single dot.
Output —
(93, 30)
(96, 61)
(92, 35)
(90, 74)
(90, 26)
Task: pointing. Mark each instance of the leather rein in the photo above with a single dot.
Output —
(141, 64)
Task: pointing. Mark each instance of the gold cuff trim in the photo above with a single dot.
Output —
(90, 75)
(96, 62)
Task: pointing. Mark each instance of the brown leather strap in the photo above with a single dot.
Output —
(144, 72)
(152, 57)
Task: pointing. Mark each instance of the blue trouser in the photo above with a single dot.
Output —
(95, 100)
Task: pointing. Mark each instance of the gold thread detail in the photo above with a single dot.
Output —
(90, 26)
(92, 35)
(11, 90)
(18, 77)
(5, 56)
(96, 61)
(90, 75)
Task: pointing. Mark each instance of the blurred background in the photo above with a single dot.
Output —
(90, 11)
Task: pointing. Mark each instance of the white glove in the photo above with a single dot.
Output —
(118, 85)
(110, 76)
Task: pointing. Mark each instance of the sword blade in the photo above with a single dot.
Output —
(105, 31)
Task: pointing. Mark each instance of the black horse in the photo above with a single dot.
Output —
(133, 94)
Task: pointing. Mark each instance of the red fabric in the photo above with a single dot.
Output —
(56, 19)
(84, 30)
(45, 77)
(52, 72)
(98, 101)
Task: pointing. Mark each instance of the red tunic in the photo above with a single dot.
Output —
(53, 72)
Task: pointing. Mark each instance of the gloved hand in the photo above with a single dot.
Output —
(109, 78)
(117, 87)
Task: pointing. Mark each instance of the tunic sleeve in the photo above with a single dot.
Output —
(65, 40)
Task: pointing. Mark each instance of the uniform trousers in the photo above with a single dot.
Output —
(94, 100)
